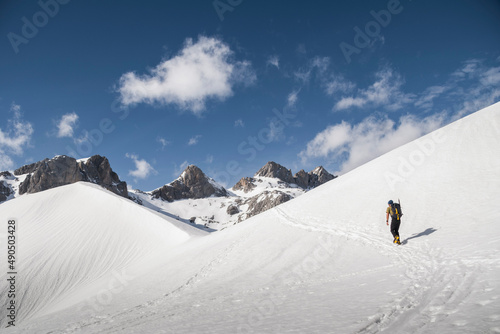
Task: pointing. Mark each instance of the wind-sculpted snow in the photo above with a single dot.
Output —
(323, 262)
(73, 237)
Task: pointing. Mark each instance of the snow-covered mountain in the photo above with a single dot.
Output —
(93, 262)
(191, 184)
(196, 198)
(192, 198)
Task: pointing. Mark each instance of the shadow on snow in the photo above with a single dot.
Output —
(430, 230)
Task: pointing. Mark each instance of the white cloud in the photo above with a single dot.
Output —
(470, 88)
(142, 168)
(201, 71)
(490, 76)
(6, 162)
(426, 99)
(66, 125)
(352, 145)
(239, 123)
(339, 84)
(319, 64)
(385, 91)
(194, 140)
(14, 138)
(292, 98)
(274, 61)
(15, 108)
(276, 131)
(477, 102)
(468, 69)
(164, 143)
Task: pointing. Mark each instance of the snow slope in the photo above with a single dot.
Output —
(73, 238)
(324, 262)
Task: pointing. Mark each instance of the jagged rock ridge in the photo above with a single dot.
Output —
(274, 170)
(272, 185)
(62, 170)
(246, 184)
(282, 192)
(305, 180)
(5, 188)
(192, 183)
(263, 202)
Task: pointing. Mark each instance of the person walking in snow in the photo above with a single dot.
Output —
(394, 210)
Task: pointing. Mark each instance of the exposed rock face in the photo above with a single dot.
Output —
(29, 168)
(98, 170)
(265, 201)
(7, 175)
(312, 179)
(5, 188)
(5, 191)
(232, 210)
(319, 176)
(62, 170)
(272, 169)
(192, 183)
(301, 178)
(47, 174)
(286, 187)
(246, 184)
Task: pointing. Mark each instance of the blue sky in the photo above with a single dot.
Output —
(230, 85)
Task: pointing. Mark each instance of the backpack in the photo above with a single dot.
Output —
(396, 211)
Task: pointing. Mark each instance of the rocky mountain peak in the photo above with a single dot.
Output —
(318, 176)
(192, 183)
(303, 179)
(97, 169)
(319, 170)
(274, 170)
(62, 170)
(192, 175)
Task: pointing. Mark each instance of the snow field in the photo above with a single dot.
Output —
(321, 263)
(75, 238)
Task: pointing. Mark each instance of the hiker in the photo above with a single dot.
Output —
(394, 209)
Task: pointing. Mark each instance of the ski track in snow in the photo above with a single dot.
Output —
(150, 310)
(438, 283)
